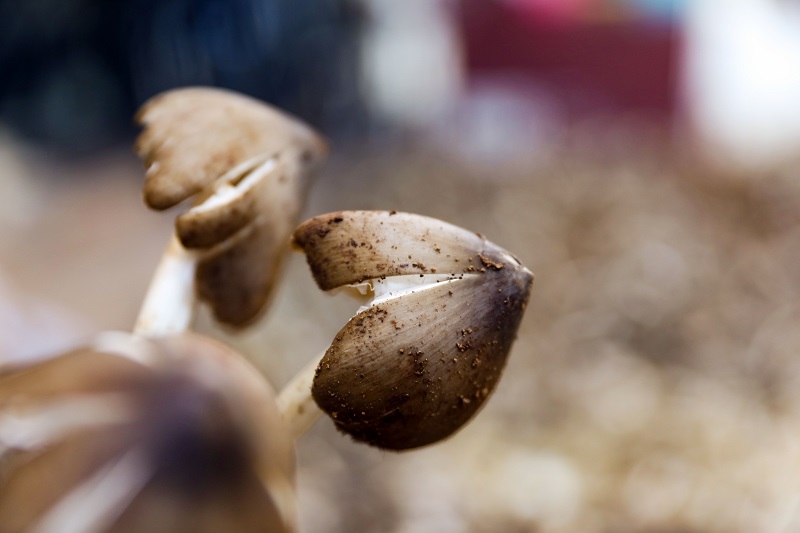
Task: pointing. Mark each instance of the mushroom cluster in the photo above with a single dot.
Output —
(167, 430)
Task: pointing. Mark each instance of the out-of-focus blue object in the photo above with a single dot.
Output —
(660, 9)
(74, 71)
(581, 11)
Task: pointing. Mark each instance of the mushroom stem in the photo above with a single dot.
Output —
(170, 301)
(295, 403)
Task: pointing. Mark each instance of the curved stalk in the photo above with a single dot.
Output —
(169, 304)
(297, 407)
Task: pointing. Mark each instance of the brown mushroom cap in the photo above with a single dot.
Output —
(193, 136)
(237, 279)
(179, 429)
(352, 246)
(410, 370)
(250, 167)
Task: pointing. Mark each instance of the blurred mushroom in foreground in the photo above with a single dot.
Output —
(132, 434)
(416, 363)
(248, 167)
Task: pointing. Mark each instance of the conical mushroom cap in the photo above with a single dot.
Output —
(413, 367)
(249, 167)
(133, 435)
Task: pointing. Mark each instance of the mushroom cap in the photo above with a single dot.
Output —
(132, 435)
(349, 247)
(194, 135)
(242, 250)
(249, 167)
(417, 364)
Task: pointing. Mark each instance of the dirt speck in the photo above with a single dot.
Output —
(488, 263)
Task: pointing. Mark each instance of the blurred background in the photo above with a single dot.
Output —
(642, 157)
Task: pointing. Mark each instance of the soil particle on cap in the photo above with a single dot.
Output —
(488, 263)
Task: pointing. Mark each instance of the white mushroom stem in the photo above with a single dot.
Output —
(295, 403)
(170, 301)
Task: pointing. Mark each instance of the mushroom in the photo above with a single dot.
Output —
(163, 430)
(248, 167)
(132, 434)
(416, 363)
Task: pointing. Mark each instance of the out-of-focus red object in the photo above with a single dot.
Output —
(609, 64)
(558, 11)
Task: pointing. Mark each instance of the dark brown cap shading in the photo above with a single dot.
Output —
(237, 278)
(249, 167)
(141, 435)
(412, 368)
